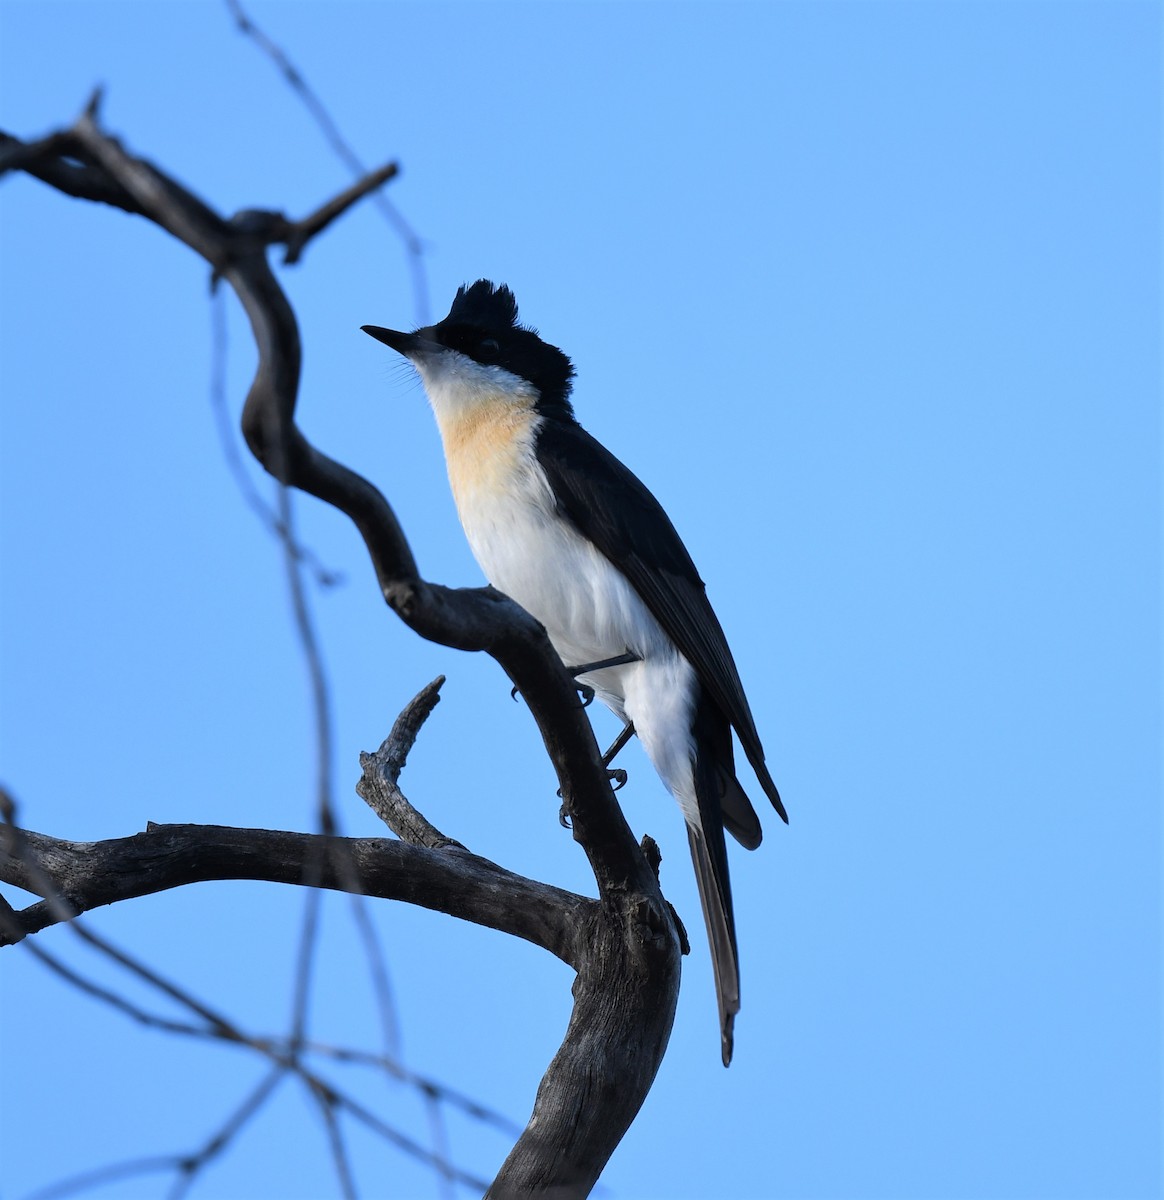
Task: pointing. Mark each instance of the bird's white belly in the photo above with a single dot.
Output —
(531, 553)
(591, 613)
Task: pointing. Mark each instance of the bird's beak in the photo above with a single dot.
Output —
(419, 347)
(404, 343)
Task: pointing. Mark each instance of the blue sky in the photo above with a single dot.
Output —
(869, 295)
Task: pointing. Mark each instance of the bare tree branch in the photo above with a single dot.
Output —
(413, 245)
(227, 433)
(301, 232)
(625, 946)
(378, 785)
(88, 875)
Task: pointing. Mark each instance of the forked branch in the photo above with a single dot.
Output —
(624, 946)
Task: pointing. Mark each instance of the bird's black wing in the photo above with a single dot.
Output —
(611, 507)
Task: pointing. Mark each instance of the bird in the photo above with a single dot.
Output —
(562, 527)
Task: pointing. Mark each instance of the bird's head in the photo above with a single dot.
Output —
(480, 353)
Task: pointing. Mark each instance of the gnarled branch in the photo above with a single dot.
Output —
(624, 946)
(77, 877)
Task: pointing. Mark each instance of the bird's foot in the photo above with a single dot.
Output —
(615, 776)
(587, 692)
(584, 691)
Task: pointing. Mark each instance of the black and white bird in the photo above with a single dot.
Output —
(561, 526)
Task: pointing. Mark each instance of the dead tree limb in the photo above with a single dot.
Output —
(77, 877)
(624, 946)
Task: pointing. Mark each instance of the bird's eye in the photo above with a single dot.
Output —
(488, 347)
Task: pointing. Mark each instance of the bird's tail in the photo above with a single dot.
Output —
(709, 853)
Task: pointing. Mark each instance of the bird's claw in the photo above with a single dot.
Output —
(563, 817)
(616, 777)
(587, 694)
(513, 693)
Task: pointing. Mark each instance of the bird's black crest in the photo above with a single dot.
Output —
(485, 306)
(482, 324)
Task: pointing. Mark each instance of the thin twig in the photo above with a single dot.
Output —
(325, 1100)
(303, 230)
(381, 980)
(284, 1054)
(305, 955)
(110, 997)
(192, 1164)
(439, 1132)
(448, 1095)
(317, 677)
(223, 1027)
(324, 811)
(414, 247)
(412, 1148)
(105, 1175)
